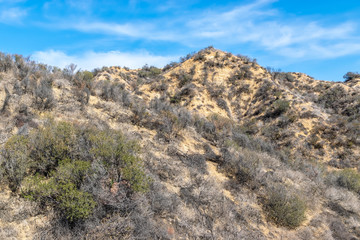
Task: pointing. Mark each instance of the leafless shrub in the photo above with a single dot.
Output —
(184, 78)
(195, 161)
(6, 101)
(351, 75)
(161, 201)
(339, 231)
(223, 104)
(69, 71)
(187, 57)
(8, 232)
(6, 62)
(242, 167)
(206, 128)
(170, 66)
(44, 98)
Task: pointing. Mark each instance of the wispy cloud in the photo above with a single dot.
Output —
(257, 23)
(91, 60)
(12, 15)
(140, 30)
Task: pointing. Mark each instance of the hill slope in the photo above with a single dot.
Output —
(233, 150)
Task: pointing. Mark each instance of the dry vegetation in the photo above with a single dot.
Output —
(212, 147)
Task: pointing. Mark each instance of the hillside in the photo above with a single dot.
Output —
(225, 149)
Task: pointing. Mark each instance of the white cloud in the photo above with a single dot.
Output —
(140, 30)
(91, 60)
(267, 29)
(12, 15)
(258, 23)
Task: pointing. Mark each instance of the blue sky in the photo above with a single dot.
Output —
(320, 38)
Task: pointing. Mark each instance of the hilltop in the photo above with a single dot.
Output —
(225, 149)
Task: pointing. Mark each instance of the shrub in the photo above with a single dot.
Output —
(170, 65)
(245, 88)
(222, 124)
(351, 75)
(61, 191)
(51, 144)
(204, 127)
(184, 78)
(215, 91)
(280, 106)
(74, 203)
(6, 100)
(223, 104)
(244, 58)
(147, 71)
(333, 98)
(44, 97)
(6, 62)
(350, 179)
(199, 57)
(284, 208)
(69, 71)
(282, 76)
(14, 160)
(264, 90)
(83, 96)
(119, 157)
(339, 230)
(241, 166)
(172, 124)
(187, 57)
(83, 79)
(60, 165)
(315, 142)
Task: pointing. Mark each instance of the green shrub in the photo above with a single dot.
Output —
(61, 191)
(84, 79)
(73, 171)
(51, 144)
(120, 157)
(350, 179)
(284, 208)
(147, 71)
(280, 106)
(57, 162)
(74, 203)
(87, 76)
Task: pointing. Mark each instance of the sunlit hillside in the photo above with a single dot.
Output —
(214, 146)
